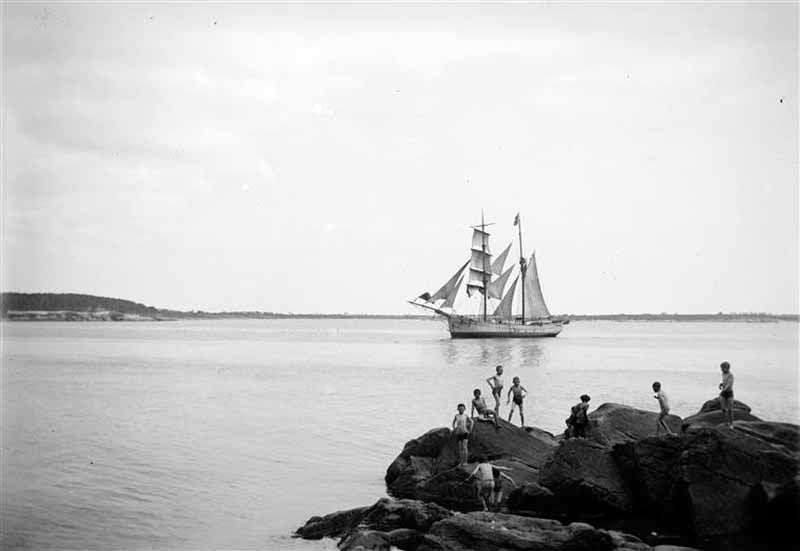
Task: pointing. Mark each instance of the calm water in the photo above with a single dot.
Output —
(230, 434)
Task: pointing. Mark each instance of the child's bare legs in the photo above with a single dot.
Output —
(511, 411)
(496, 396)
(521, 416)
(463, 452)
(662, 423)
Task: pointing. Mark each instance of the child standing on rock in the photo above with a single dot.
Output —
(519, 393)
(495, 382)
(726, 391)
(664, 406)
(462, 426)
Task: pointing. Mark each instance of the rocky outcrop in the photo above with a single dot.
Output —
(427, 468)
(415, 526)
(614, 424)
(388, 521)
(711, 414)
(702, 485)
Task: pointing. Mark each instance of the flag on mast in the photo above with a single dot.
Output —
(516, 219)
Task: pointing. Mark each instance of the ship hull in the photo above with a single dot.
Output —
(471, 328)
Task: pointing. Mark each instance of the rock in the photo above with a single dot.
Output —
(334, 525)
(779, 434)
(427, 467)
(615, 423)
(714, 418)
(386, 515)
(375, 540)
(702, 483)
(497, 531)
(714, 405)
(533, 500)
(585, 481)
(389, 514)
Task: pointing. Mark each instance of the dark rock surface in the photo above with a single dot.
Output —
(701, 484)
(714, 405)
(614, 424)
(584, 479)
(427, 467)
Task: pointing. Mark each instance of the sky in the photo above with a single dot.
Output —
(331, 158)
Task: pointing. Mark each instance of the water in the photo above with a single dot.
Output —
(230, 434)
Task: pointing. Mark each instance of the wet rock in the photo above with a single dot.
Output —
(533, 500)
(615, 423)
(375, 540)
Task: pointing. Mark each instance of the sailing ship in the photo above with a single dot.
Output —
(487, 278)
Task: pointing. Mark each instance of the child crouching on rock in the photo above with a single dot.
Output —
(578, 420)
(484, 413)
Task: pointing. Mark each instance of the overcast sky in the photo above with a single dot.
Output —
(331, 158)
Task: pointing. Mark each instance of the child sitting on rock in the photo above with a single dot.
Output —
(479, 405)
(578, 421)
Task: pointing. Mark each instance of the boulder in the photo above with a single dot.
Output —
(427, 468)
(585, 482)
(713, 418)
(714, 405)
(334, 525)
(375, 540)
(702, 483)
(532, 500)
(496, 531)
(386, 515)
(615, 423)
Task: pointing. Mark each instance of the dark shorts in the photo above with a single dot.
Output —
(462, 436)
(518, 400)
(497, 391)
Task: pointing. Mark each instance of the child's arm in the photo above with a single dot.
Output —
(508, 398)
(454, 421)
(473, 473)
(525, 390)
(490, 382)
(469, 424)
(472, 411)
(509, 479)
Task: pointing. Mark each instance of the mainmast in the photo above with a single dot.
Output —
(483, 249)
(522, 266)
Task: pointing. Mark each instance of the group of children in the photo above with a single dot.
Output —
(489, 477)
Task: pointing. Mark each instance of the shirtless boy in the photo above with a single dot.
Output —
(664, 406)
(479, 405)
(519, 393)
(726, 391)
(484, 481)
(495, 382)
(462, 425)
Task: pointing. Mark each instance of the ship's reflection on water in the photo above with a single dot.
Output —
(491, 352)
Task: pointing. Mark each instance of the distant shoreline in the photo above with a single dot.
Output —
(79, 307)
(69, 315)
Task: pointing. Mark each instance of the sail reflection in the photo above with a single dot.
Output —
(491, 352)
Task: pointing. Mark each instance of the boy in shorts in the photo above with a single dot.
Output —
(495, 382)
(462, 426)
(479, 405)
(664, 407)
(519, 393)
(484, 481)
(726, 391)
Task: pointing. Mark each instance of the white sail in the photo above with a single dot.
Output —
(534, 301)
(451, 298)
(497, 265)
(503, 309)
(480, 262)
(480, 240)
(495, 288)
(447, 288)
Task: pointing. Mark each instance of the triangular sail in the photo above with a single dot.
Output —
(480, 261)
(449, 287)
(451, 298)
(503, 309)
(497, 265)
(495, 288)
(534, 301)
